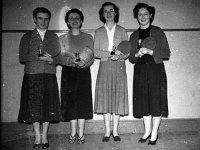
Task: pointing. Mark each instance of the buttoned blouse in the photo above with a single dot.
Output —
(101, 42)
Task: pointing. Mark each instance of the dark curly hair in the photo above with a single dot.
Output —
(41, 10)
(150, 9)
(116, 8)
(74, 10)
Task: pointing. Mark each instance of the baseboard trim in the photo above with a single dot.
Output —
(15, 130)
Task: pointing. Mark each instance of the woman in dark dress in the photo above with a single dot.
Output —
(76, 92)
(149, 82)
(40, 102)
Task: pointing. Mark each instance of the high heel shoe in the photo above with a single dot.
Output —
(72, 139)
(81, 140)
(153, 142)
(141, 140)
(36, 146)
(45, 145)
(106, 138)
(116, 138)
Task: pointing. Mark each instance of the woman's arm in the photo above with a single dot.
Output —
(24, 50)
(98, 52)
(133, 57)
(162, 49)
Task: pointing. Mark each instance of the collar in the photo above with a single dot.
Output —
(41, 32)
(113, 28)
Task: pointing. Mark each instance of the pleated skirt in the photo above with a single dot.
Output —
(111, 93)
(76, 93)
(39, 99)
(150, 90)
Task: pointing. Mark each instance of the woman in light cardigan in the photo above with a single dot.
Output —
(111, 93)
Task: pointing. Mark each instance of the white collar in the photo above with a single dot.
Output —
(42, 33)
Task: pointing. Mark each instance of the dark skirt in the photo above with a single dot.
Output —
(76, 93)
(149, 90)
(39, 99)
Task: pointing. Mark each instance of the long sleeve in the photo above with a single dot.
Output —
(56, 48)
(133, 40)
(91, 46)
(125, 36)
(162, 49)
(66, 57)
(24, 50)
(100, 52)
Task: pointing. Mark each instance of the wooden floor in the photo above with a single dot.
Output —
(166, 141)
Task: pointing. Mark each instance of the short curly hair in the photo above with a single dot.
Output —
(150, 9)
(74, 10)
(41, 10)
(116, 8)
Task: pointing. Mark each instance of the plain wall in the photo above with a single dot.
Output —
(183, 68)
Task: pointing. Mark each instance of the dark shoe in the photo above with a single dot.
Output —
(153, 142)
(45, 145)
(141, 140)
(105, 139)
(36, 146)
(72, 139)
(81, 140)
(116, 138)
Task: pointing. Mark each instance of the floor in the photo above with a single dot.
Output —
(166, 141)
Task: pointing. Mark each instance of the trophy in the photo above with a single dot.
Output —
(113, 50)
(77, 57)
(139, 44)
(40, 54)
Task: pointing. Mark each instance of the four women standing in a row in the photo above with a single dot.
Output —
(111, 93)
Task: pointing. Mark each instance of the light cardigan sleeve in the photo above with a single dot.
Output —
(66, 59)
(125, 35)
(98, 51)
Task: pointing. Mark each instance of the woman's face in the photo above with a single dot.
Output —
(144, 17)
(109, 13)
(42, 21)
(74, 20)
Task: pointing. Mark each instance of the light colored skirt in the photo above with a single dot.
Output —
(111, 93)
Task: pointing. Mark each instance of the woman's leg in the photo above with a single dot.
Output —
(73, 124)
(156, 124)
(45, 127)
(81, 138)
(147, 126)
(107, 118)
(115, 124)
(81, 125)
(36, 127)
